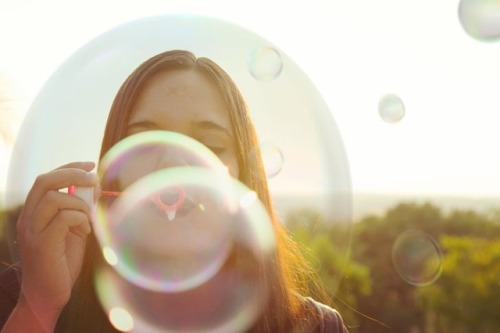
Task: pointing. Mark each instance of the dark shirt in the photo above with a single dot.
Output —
(325, 319)
(320, 319)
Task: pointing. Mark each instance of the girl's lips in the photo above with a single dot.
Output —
(170, 200)
(171, 212)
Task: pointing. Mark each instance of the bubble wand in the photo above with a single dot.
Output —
(91, 194)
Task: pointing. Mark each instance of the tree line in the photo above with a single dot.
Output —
(413, 269)
(445, 277)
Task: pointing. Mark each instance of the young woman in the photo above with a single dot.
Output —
(173, 91)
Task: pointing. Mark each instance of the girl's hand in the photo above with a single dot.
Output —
(52, 231)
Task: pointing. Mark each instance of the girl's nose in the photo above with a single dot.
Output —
(171, 158)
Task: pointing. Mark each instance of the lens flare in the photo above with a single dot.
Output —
(121, 319)
(109, 255)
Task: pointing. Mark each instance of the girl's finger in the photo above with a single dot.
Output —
(63, 223)
(86, 166)
(59, 179)
(51, 204)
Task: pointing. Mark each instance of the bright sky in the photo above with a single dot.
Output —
(353, 51)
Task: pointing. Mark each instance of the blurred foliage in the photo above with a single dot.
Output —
(337, 275)
(373, 297)
(8, 220)
(362, 283)
(466, 298)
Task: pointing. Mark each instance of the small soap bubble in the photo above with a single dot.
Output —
(391, 108)
(265, 63)
(480, 19)
(417, 258)
(273, 159)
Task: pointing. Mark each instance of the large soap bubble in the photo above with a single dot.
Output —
(172, 216)
(200, 271)
(66, 120)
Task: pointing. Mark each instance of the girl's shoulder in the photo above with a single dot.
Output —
(321, 318)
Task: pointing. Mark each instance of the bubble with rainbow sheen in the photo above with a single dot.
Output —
(417, 257)
(287, 110)
(480, 19)
(166, 222)
(201, 273)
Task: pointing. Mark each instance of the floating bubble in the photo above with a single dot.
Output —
(200, 272)
(73, 104)
(480, 18)
(273, 159)
(391, 108)
(167, 225)
(265, 63)
(417, 258)
(159, 252)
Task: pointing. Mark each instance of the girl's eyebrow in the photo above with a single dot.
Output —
(204, 125)
(142, 124)
(211, 125)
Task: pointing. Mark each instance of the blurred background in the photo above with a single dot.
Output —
(413, 88)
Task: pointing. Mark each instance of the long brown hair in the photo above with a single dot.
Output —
(286, 274)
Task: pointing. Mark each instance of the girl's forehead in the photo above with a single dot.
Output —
(187, 86)
(180, 97)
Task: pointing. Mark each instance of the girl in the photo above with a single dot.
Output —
(172, 91)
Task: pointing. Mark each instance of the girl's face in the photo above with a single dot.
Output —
(186, 102)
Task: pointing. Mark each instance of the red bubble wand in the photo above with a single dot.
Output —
(165, 204)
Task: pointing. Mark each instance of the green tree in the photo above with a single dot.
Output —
(394, 300)
(466, 297)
